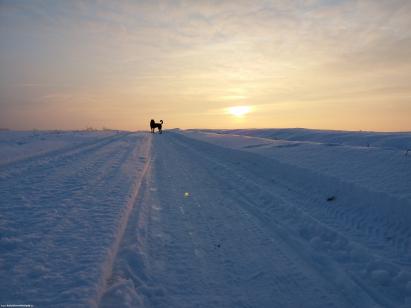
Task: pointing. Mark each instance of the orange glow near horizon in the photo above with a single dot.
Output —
(317, 64)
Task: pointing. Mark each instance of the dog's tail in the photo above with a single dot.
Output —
(161, 121)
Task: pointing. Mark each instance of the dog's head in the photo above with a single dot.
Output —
(152, 121)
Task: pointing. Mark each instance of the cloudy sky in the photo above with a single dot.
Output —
(315, 63)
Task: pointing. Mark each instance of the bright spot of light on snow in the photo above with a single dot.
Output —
(186, 194)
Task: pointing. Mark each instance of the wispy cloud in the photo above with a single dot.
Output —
(202, 55)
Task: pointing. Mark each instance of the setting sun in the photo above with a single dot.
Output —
(239, 111)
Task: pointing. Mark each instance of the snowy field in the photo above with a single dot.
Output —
(223, 218)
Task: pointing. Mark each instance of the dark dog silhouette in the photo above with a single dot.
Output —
(154, 125)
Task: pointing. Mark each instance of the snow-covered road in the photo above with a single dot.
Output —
(61, 216)
(141, 220)
(215, 227)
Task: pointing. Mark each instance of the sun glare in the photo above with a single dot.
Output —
(239, 111)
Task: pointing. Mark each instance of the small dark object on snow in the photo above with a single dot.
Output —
(218, 245)
(154, 125)
(332, 198)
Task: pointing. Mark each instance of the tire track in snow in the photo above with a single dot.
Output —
(70, 178)
(67, 205)
(208, 250)
(63, 154)
(243, 191)
(65, 181)
(122, 225)
(387, 281)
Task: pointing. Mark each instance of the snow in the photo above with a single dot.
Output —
(16, 145)
(376, 168)
(244, 218)
(394, 140)
(61, 215)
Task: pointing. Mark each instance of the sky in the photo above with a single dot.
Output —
(324, 64)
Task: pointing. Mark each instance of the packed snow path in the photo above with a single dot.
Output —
(214, 227)
(62, 213)
(142, 220)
